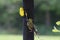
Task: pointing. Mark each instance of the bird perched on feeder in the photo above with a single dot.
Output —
(21, 11)
(31, 25)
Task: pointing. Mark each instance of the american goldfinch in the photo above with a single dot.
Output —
(55, 29)
(21, 11)
(31, 26)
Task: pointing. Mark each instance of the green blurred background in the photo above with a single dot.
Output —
(46, 14)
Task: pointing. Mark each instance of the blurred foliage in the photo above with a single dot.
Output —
(11, 20)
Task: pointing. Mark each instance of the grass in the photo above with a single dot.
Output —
(11, 37)
(47, 37)
(19, 37)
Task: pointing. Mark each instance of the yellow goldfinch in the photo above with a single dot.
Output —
(21, 11)
(58, 22)
(31, 25)
(55, 29)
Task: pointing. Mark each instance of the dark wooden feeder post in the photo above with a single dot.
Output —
(29, 9)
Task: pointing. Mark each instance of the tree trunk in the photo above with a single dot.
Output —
(47, 15)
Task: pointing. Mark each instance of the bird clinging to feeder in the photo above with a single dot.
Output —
(31, 25)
